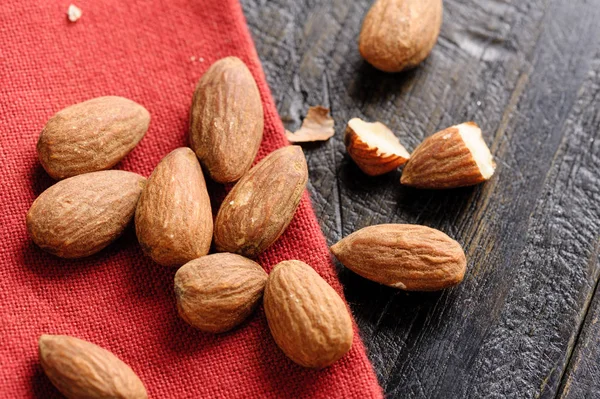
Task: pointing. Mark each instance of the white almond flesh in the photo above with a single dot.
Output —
(471, 135)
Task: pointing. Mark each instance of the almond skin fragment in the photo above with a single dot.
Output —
(81, 215)
(317, 126)
(399, 34)
(307, 318)
(454, 157)
(216, 293)
(90, 136)
(262, 204)
(173, 219)
(80, 369)
(226, 120)
(405, 256)
(374, 148)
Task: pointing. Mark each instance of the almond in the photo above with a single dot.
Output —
(405, 256)
(90, 136)
(262, 204)
(173, 219)
(81, 215)
(218, 292)
(226, 121)
(399, 34)
(80, 369)
(308, 319)
(454, 157)
(374, 148)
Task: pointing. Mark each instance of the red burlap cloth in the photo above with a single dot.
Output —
(152, 52)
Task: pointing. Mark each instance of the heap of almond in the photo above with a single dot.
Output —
(91, 207)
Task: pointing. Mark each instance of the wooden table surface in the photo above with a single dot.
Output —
(524, 322)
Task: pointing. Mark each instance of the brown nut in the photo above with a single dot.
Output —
(92, 135)
(81, 215)
(399, 34)
(405, 256)
(173, 219)
(454, 157)
(262, 204)
(80, 369)
(216, 293)
(307, 318)
(374, 148)
(226, 121)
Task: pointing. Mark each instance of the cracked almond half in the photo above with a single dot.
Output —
(374, 148)
(454, 157)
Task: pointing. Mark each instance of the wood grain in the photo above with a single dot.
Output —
(527, 73)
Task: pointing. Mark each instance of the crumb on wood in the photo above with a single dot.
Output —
(317, 126)
(73, 13)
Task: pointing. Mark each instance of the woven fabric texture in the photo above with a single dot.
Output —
(152, 52)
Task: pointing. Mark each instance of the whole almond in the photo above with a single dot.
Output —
(262, 204)
(216, 293)
(81, 215)
(92, 135)
(454, 157)
(405, 256)
(399, 34)
(80, 369)
(226, 121)
(173, 219)
(308, 319)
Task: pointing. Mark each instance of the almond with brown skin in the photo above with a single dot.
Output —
(173, 219)
(81, 215)
(216, 293)
(399, 34)
(308, 319)
(405, 256)
(226, 121)
(374, 148)
(454, 157)
(90, 136)
(262, 204)
(80, 369)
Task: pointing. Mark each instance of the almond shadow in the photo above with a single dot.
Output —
(372, 86)
(41, 386)
(50, 266)
(40, 179)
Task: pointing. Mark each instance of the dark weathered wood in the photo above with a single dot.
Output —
(527, 72)
(582, 379)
